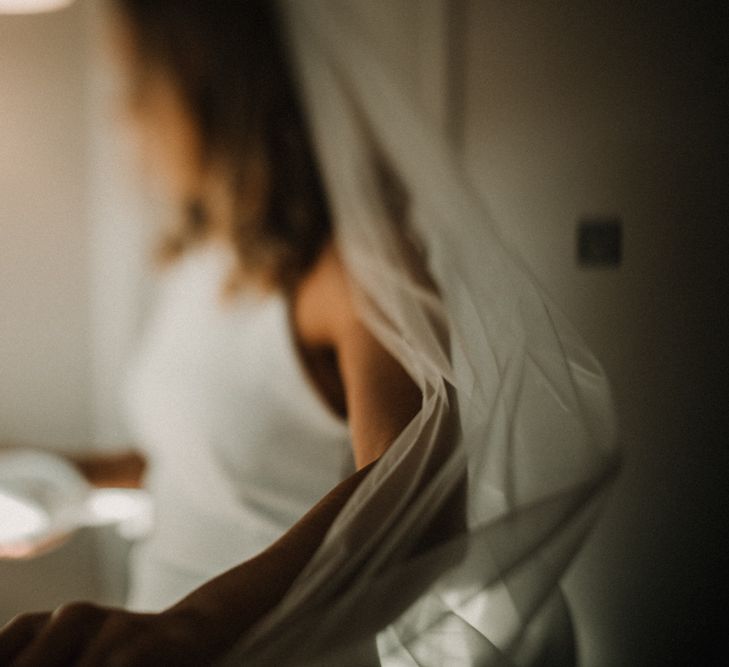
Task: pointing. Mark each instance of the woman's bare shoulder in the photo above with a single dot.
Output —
(324, 303)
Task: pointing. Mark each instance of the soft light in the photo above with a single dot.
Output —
(31, 6)
(130, 509)
(20, 519)
(113, 505)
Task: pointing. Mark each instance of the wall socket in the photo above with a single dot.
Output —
(600, 242)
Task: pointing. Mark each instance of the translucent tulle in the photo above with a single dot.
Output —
(514, 443)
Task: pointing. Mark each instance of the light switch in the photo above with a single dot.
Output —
(599, 242)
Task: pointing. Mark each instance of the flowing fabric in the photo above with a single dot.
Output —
(515, 437)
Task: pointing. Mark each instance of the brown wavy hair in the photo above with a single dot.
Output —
(227, 60)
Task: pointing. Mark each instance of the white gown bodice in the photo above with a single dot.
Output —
(240, 443)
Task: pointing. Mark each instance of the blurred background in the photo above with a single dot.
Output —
(595, 131)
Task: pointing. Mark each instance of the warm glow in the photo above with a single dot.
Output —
(20, 519)
(31, 6)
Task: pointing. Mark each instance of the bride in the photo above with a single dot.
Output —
(361, 416)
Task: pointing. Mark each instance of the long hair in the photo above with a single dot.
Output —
(228, 63)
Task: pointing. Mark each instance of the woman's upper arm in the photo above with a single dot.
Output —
(381, 398)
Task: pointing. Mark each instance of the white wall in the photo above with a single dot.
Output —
(44, 235)
(122, 229)
(594, 108)
(75, 234)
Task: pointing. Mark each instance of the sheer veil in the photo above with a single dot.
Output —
(515, 438)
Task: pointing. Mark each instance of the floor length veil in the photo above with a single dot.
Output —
(516, 418)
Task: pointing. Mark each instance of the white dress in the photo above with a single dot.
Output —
(240, 443)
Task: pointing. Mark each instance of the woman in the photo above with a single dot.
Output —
(218, 119)
(364, 339)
